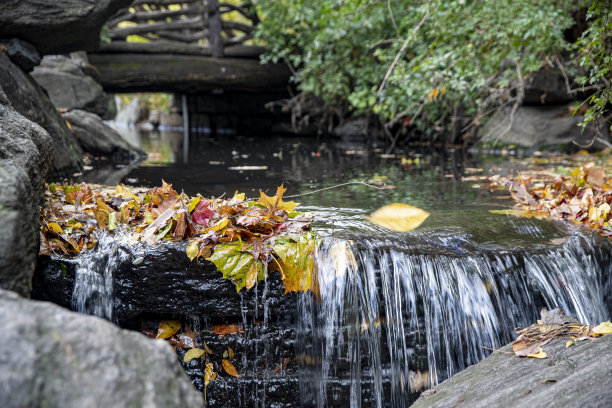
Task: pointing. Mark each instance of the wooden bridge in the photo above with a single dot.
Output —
(186, 46)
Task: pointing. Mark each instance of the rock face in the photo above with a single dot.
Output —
(56, 358)
(55, 27)
(547, 86)
(99, 139)
(534, 126)
(28, 98)
(22, 53)
(163, 282)
(25, 158)
(580, 376)
(69, 87)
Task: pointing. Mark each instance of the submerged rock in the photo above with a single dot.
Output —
(56, 358)
(577, 376)
(57, 26)
(99, 139)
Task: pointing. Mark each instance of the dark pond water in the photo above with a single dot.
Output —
(425, 179)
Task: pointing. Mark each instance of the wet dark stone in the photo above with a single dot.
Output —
(165, 282)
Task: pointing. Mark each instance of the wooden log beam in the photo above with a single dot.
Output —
(173, 47)
(186, 73)
(186, 24)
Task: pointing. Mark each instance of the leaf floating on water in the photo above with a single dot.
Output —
(603, 328)
(167, 328)
(398, 217)
(230, 369)
(193, 353)
(138, 260)
(517, 212)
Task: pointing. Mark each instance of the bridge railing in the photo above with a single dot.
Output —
(202, 23)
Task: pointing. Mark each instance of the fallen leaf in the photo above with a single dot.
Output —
(230, 353)
(296, 263)
(230, 369)
(192, 250)
(276, 202)
(398, 217)
(603, 328)
(225, 329)
(569, 343)
(549, 381)
(540, 354)
(167, 328)
(193, 353)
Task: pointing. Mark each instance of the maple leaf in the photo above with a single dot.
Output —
(276, 202)
(201, 213)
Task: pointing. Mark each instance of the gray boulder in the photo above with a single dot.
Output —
(69, 87)
(51, 357)
(55, 27)
(22, 53)
(29, 99)
(99, 139)
(534, 126)
(25, 158)
(576, 377)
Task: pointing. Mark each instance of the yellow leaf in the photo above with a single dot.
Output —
(230, 369)
(209, 374)
(539, 354)
(167, 328)
(398, 217)
(122, 190)
(218, 226)
(192, 250)
(230, 353)
(251, 276)
(276, 202)
(603, 328)
(193, 353)
(238, 197)
(55, 227)
(193, 203)
(569, 343)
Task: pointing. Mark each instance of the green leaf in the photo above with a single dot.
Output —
(296, 262)
(235, 264)
(113, 220)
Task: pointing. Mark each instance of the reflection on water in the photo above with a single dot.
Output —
(429, 180)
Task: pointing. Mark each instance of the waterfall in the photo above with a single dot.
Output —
(393, 320)
(93, 280)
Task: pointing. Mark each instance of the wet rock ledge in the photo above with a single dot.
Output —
(579, 376)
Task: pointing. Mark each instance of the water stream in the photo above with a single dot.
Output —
(396, 313)
(393, 320)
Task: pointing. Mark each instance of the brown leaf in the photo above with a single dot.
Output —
(230, 369)
(596, 177)
(45, 248)
(225, 329)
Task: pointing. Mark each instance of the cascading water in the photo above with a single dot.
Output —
(93, 281)
(392, 320)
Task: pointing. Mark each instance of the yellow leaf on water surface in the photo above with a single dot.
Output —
(167, 328)
(398, 217)
(517, 212)
(193, 353)
(230, 369)
(539, 354)
(603, 328)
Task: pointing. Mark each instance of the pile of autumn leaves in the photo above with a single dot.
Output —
(585, 197)
(243, 238)
(553, 324)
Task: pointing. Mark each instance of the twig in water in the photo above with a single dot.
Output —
(363, 182)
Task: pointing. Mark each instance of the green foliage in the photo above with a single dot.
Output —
(595, 56)
(449, 53)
